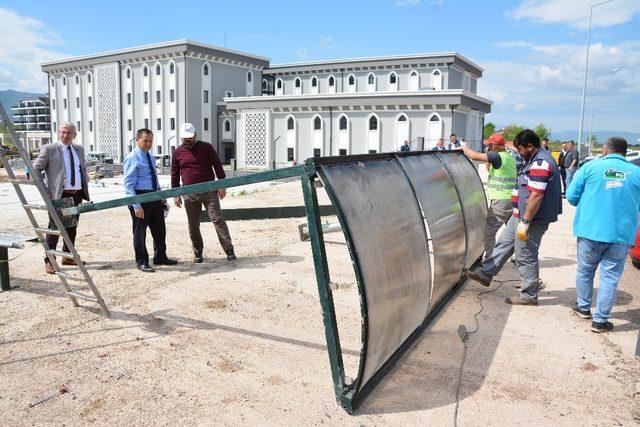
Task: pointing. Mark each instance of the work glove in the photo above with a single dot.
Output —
(523, 230)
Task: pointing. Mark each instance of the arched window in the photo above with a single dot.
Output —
(249, 76)
(393, 81)
(331, 84)
(249, 83)
(343, 123)
(291, 139)
(172, 67)
(88, 77)
(64, 80)
(145, 70)
(436, 79)
(314, 84)
(371, 82)
(402, 131)
(76, 78)
(53, 82)
(373, 123)
(351, 83)
(297, 83)
(317, 123)
(205, 70)
(128, 72)
(434, 129)
(279, 84)
(291, 123)
(158, 69)
(414, 80)
(264, 84)
(227, 125)
(373, 133)
(279, 87)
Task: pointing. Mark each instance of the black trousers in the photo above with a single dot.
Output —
(563, 176)
(52, 239)
(154, 219)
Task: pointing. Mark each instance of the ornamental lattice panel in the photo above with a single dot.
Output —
(255, 139)
(107, 112)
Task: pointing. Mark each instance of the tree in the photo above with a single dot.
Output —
(489, 129)
(542, 131)
(510, 131)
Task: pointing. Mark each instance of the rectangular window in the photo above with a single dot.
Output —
(172, 95)
(316, 152)
(129, 99)
(205, 97)
(290, 157)
(373, 151)
(77, 126)
(90, 102)
(77, 102)
(64, 103)
(90, 126)
(173, 123)
(129, 125)
(159, 124)
(146, 97)
(159, 149)
(55, 127)
(146, 123)
(206, 124)
(53, 104)
(343, 152)
(158, 96)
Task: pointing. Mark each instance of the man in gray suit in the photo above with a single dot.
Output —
(64, 172)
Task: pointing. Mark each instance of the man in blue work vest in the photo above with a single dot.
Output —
(606, 192)
(140, 177)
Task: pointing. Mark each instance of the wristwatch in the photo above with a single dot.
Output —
(525, 221)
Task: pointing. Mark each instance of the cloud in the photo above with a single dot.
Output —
(545, 85)
(302, 54)
(407, 2)
(25, 44)
(575, 13)
(327, 42)
(516, 43)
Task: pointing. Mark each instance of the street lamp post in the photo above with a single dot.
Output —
(593, 103)
(586, 71)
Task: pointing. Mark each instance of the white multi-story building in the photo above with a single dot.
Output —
(263, 115)
(31, 120)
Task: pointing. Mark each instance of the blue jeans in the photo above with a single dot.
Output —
(570, 174)
(611, 258)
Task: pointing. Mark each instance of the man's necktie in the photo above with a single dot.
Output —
(73, 167)
(154, 177)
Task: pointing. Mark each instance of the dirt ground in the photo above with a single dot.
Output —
(243, 342)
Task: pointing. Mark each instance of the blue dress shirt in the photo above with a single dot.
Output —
(138, 174)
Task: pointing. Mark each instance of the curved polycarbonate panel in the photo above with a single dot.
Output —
(379, 209)
(442, 211)
(473, 201)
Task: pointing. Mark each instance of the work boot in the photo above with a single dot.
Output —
(583, 314)
(231, 256)
(70, 261)
(478, 277)
(521, 301)
(197, 259)
(48, 268)
(598, 327)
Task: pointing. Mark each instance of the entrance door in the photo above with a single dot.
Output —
(402, 131)
(434, 130)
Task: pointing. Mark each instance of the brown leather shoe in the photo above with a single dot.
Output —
(48, 268)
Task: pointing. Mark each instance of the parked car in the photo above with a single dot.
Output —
(634, 253)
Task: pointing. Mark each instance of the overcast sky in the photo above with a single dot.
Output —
(533, 51)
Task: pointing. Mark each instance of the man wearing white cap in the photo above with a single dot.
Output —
(194, 162)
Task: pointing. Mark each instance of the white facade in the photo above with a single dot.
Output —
(265, 116)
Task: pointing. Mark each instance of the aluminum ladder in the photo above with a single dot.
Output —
(73, 294)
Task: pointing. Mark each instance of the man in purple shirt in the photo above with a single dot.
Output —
(194, 162)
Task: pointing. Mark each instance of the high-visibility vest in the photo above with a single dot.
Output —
(502, 181)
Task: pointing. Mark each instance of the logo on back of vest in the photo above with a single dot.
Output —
(613, 184)
(614, 174)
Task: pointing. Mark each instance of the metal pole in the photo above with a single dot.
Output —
(593, 103)
(584, 84)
